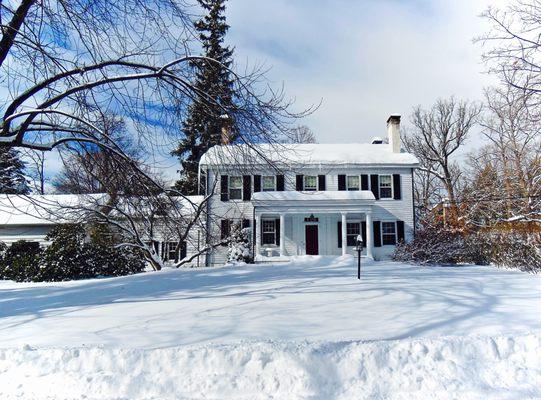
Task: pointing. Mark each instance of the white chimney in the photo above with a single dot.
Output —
(393, 132)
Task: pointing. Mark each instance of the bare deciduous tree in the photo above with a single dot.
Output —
(436, 135)
(301, 134)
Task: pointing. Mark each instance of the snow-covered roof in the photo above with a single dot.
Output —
(59, 208)
(330, 195)
(320, 153)
(40, 209)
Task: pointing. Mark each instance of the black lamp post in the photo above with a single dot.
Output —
(359, 249)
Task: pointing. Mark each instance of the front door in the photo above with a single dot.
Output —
(312, 247)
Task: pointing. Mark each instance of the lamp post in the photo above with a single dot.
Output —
(359, 249)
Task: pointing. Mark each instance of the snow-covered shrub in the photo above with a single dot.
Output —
(239, 248)
(437, 245)
(70, 256)
(515, 250)
(20, 261)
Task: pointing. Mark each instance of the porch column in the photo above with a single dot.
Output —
(369, 235)
(257, 235)
(282, 235)
(344, 235)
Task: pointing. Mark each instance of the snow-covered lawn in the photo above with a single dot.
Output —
(291, 330)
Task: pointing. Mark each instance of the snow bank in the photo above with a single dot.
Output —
(474, 367)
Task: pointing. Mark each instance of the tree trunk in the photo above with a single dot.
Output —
(10, 32)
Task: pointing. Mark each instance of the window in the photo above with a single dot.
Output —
(235, 187)
(385, 187)
(269, 183)
(388, 233)
(310, 182)
(269, 231)
(353, 229)
(353, 182)
(169, 251)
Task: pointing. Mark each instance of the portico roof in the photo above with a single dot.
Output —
(320, 201)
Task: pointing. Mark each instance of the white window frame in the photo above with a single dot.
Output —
(358, 223)
(386, 187)
(304, 183)
(268, 232)
(273, 183)
(230, 187)
(358, 182)
(388, 234)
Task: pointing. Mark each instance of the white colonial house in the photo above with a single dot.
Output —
(312, 199)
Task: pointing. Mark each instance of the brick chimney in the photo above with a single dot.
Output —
(393, 133)
(226, 129)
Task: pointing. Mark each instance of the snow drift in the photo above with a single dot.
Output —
(473, 367)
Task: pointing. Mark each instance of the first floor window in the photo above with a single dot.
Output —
(310, 182)
(235, 187)
(269, 231)
(170, 251)
(269, 183)
(385, 187)
(353, 229)
(388, 233)
(353, 182)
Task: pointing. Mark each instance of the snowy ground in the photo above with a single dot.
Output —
(265, 331)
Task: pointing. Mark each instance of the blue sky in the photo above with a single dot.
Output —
(365, 59)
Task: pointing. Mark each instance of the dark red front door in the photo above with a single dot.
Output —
(311, 240)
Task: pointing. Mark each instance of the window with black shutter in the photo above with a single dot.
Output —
(299, 183)
(257, 183)
(321, 182)
(224, 188)
(341, 182)
(397, 187)
(280, 186)
(374, 185)
(246, 187)
(377, 233)
(364, 182)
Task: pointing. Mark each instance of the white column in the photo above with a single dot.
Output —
(369, 235)
(282, 235)
(344, 235)
(257, 235)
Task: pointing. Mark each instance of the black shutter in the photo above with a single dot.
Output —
(299, 185)
(377, 234)
(246, 187)
(374, 185)
(340, 234)
(224, 188)
(280, 183)
(183, 250)
(397, 187)
(226, 225)
(245, 223)
(400, 231)
(364, 182)
(363, 232)
(257, 183)
(321, 182)
(341, 182)
(277, 231)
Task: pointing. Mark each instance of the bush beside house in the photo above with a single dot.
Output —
(70, 256)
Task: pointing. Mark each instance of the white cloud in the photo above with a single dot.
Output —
(365, 59)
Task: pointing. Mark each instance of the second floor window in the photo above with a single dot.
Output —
(385, 187)
(269, 183)
(310, 182)
(235, 187)
(353, 182)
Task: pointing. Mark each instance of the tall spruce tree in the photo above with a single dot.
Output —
(12, 178)
(203, 125)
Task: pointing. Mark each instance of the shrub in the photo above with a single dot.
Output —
(68, 257)
(440, 246)
(20, 261)
(239, 248)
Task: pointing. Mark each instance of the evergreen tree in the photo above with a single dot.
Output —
(12, 178)
(205, 120)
